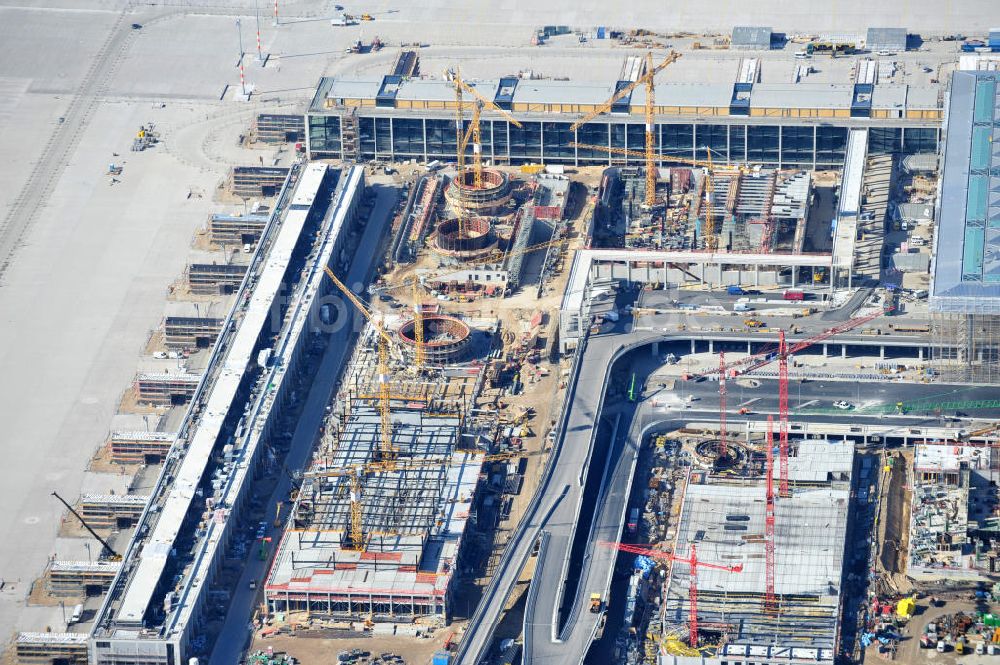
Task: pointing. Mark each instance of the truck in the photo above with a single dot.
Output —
(793, 294)
(753, 323)
(595, 603)
(742, 307)
(735, 291)
(633, 520)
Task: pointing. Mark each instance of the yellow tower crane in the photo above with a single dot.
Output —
(356, 473)
(418, 328)
(385, 431)
(708, 234)
(650, 152)
(474, 133)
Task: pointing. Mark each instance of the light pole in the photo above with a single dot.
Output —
(260, 54)
(89, 557)
(239, 33)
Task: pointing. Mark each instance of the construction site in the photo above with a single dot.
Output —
(592, 344)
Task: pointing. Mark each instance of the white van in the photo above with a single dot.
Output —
(77, 614)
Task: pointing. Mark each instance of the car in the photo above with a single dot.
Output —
(137, 26)
(339, 8)
(842, 405)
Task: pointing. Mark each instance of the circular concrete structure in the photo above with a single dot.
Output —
(471, 238)
(446, 339)
(494, 193)
(737, 456)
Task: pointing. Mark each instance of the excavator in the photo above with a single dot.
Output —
(107, 552)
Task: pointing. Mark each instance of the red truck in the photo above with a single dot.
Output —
(793, 294)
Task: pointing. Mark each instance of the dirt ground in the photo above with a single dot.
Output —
(909, 651)
(322, 651)
(894, 517)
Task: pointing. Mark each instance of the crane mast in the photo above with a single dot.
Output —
(722, 406)
(783, 411)
(770, 604)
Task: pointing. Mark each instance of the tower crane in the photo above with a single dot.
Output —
(385, 430)
(418, 328)
(711, 242)
(473, 132)
(693, 562)
(770, 601)
(722, 405)
(462, 138)
(356, 473)
(766, 357)
(770, 354)
(647, 80)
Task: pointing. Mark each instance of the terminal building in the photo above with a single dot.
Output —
(965, 291)
(795, 125)
(159, 604)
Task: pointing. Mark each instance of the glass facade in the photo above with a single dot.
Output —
(789, 145)
(324, 134)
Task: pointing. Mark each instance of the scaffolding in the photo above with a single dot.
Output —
(140, 447)
(112, 511)
(49, 648)
(236, 229)
(250, 182)
(278, 128)
(966, 346)
(77, 578)
(163, 389)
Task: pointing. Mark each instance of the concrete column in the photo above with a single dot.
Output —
(825, 349)
(843, 350)
(881, 352)
(749, 352)
(920, 353)
(711, 346)
(756, 275)
(656, 348)
(693, 347)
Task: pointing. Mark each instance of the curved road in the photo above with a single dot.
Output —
(555, 508)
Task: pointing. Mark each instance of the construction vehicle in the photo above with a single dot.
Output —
(753, 323)
(650, 103)
(367, 17)
(107, 552)
(595, 603)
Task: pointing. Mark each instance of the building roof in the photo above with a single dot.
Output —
(751, 37)
(552, 96)
(726, 522)
(890, 39)
(967, 242)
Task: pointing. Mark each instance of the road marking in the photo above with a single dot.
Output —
(805, 404)
(750, 401)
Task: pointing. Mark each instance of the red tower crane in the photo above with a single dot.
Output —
(769, 354)
(770, 604)
(722, 405)
(693, 563)
(783, 411)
